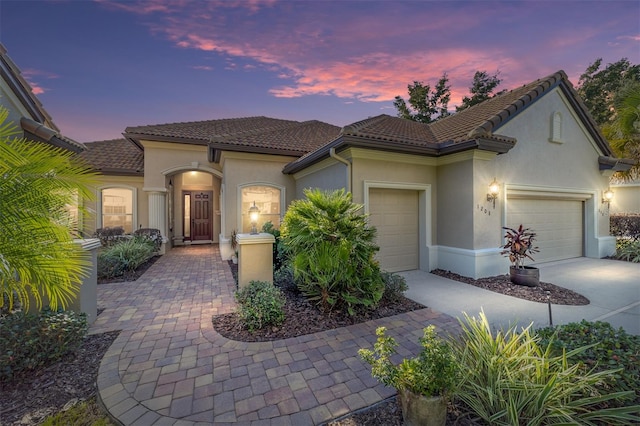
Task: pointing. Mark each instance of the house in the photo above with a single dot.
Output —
(425, 186)
(25, 110)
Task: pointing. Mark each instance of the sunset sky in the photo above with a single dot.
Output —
(100, 66)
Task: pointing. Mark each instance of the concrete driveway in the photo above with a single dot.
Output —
(612, 286)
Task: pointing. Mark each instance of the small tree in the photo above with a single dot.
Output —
(37, 253)
(425, 106)
(481, 89)
(332, 248)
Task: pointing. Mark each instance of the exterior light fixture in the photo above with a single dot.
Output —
(494, 190)
(254, 213)
(607, 196)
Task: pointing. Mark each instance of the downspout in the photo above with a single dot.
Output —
(332, 154)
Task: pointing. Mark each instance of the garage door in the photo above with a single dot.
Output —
(558, 224)
(394, 212)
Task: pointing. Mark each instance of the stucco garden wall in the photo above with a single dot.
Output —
(626, 198)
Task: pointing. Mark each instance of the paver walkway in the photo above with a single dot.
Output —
(169, 366)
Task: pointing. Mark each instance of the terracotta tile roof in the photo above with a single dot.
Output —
(392, 129)
(116, 156)
(482, 119)
(293, 139)
(252, 134)
(472, 128)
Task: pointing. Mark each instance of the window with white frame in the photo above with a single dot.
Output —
(267, 199)
(117, 208)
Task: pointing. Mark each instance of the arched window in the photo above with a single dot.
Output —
(117, 208)
(267, 199)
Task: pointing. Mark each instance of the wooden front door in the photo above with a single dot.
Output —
(200, 215)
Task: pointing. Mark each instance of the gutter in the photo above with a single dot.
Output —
(332, 154)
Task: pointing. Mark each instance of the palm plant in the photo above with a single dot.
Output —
(332, 248)
(38, 256)
(623, 132)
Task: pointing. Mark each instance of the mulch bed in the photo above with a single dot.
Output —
(302, 317)
(131, 275)
(503, 285)
(28, 399)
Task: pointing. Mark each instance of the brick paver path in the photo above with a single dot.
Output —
(169, 366)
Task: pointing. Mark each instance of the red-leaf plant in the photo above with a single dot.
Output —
(519, 245)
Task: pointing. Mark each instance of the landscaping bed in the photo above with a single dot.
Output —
(28, 399)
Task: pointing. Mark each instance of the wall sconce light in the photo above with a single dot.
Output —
(494, 190)
(254, 213)
(607, 196)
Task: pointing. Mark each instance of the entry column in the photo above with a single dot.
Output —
(157, 212)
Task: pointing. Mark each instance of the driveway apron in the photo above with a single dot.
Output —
(169, 366)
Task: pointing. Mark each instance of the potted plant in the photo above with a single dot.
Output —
(519, 247)
(424, 383)
(234, 246)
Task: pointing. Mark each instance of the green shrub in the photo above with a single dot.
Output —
(628, 249)
(394, 286)
(510, 379)
(151, 235)
(109, 236)
(260, 304)
(284, 279)
(279, 251)
(29, 341)
(433, 372)
(125, 256)
(332, 248)
(625, 225)
(84, 413)
(608, 348)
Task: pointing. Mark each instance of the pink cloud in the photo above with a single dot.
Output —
(635, 37)
(32, 75)
(370, 55)
(202, 67)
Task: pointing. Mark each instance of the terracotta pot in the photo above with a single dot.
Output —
(528, 276)
(419, 410)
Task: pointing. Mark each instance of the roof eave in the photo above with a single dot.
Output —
(499, 145)
(41, 133)
(118, 172)
(216, 146)
(135, 138)
(612, 164)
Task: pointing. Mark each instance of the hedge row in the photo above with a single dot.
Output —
(625, 225)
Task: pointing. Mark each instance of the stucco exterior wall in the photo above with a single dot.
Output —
(535, 161)
(328, 175)
(626, 198)
(244, 169)
(9, 100)
(141, 205)
(454, 205)
(162, 159)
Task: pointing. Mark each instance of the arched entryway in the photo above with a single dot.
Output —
(194, 207)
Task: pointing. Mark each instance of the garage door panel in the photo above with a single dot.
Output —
(394, 212)
(557, 223)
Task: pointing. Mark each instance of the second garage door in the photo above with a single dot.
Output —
(557, 223)
(394, 212)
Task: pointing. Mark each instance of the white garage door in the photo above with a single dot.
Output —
(557, 223)
(394, 212)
